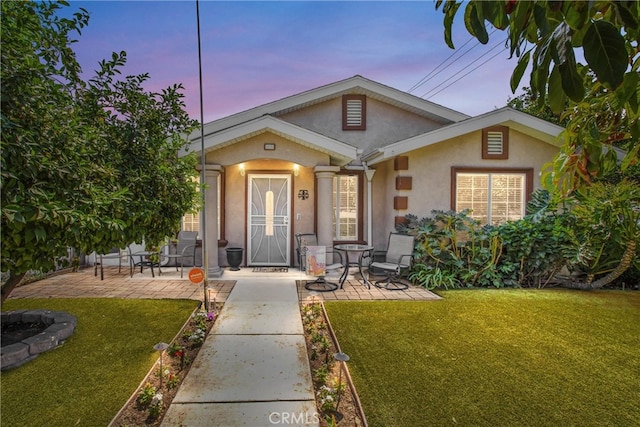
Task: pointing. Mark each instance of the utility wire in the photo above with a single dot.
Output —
(463, 76)
(431, 74)
(455, 52)
(463, 69)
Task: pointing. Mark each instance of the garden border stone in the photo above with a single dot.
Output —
(60, 326)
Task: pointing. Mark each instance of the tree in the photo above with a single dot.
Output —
(599, 101)
(85, 165)
(544, 34)
(527, 103)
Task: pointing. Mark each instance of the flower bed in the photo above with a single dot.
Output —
(336, 398)
(151, 401)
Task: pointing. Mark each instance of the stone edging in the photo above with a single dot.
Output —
(354, 393)
(153, 367)
(61, 326)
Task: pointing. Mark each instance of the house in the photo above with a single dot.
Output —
(350, 159)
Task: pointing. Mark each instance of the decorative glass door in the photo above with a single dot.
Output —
(268, 219)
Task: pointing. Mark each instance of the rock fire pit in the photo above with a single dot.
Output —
(49, 329)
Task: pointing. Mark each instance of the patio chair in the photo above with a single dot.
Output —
(316, 265)
(302, 241)
(114, 253)
(398, 260)
(185, 250)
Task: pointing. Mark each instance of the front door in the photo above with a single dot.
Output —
(268, 219)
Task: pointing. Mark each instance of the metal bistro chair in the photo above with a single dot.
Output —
(186, 249)
(114, 253)
(398, 261)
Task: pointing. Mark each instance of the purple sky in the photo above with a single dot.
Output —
(258, 52)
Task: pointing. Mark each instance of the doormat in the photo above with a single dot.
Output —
(270, 269)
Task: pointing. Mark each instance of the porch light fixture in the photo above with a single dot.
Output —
(242, 171)
(296, 170)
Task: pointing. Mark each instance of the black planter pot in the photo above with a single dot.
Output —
(234, 258)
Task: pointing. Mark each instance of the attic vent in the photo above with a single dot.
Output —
(495, 143)
(354, 112)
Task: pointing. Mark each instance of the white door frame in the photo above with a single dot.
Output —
(269, 233)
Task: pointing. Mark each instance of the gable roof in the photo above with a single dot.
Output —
(514, 119)
(339, 152)
(353, 85)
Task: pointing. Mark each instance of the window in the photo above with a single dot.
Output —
(347, 202)
(191, 221)
(354, 112)
(495, 142)
(492, 196)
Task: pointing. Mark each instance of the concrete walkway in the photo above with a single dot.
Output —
(253, 368)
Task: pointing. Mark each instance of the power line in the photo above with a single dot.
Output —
(455, 52)
(433, 72)
(463, 76)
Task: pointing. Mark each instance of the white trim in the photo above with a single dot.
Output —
(339, 150)
(514, 119)
(355, 84)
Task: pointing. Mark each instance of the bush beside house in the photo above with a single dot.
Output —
(586, 241)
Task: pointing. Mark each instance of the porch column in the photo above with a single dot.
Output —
(324, 213)
(211, 174)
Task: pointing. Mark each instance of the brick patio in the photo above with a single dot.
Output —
(83, 284)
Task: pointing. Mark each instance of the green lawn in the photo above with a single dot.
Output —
(495, 358)
(86, 381)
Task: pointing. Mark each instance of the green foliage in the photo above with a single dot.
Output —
(146, 395)
(145, 131)
(90, 165)
(600, 100)
(536, 247)
(595, 233)
(455, 251)
(50, 185)
(607, 219)
(527, 103)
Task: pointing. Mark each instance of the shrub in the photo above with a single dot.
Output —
(534, 250)
(595, 232)
(453, 250)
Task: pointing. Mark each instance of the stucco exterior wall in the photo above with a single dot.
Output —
(430, 169)
(382, 123)
(253, 148)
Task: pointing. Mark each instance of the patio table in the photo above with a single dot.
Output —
(364, 252)
(145, 260)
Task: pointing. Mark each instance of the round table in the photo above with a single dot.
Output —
(362, 250)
